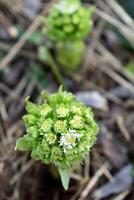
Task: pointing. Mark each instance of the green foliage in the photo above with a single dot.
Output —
(39, 74)
(60, 131)
(130, 67)
(68, 24)
(44, 54)
(36, 38)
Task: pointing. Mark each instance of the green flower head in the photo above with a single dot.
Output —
(46, 125)
(69, 20)
(62, 131)
(62, 111)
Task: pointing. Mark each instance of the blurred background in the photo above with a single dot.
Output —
(104, 80)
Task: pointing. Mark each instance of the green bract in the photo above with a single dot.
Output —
(70, 54)
(69, 20)
(60, 130)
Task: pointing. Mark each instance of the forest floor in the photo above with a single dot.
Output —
(104, 81)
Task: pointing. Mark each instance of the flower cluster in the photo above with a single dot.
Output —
(60, 130)
(69, 20)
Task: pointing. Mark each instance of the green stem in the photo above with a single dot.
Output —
(56, 72)
(45, 56)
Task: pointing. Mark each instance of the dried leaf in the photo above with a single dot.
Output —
(121, 92)
(31, 8)
(122, 180)
(93, 99)
(115, 152)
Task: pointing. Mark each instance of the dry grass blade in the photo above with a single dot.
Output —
(121, 13)
(114, 62)
(123, 130)
(93, 181)
(16, 48)
(23, 170)
(100, 62)
(13, 52)
(3, 110)
(25, 53)
(126, 31)
(122, 196)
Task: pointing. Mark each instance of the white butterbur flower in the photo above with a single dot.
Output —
(69, 140)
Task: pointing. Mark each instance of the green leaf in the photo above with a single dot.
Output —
(91, 10)
(23, 144)
(30, 119)
(31, 107)
(130, 67)
(39, 74)
(65, 177)
(44, 54)
(36, 38)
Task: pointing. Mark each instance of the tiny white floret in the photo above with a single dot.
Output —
(68, 140)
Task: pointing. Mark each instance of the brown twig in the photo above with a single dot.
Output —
(124, 131)
(25, 53)
(126, 31)
(122, 195)
(121, 13)
(116, 77)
